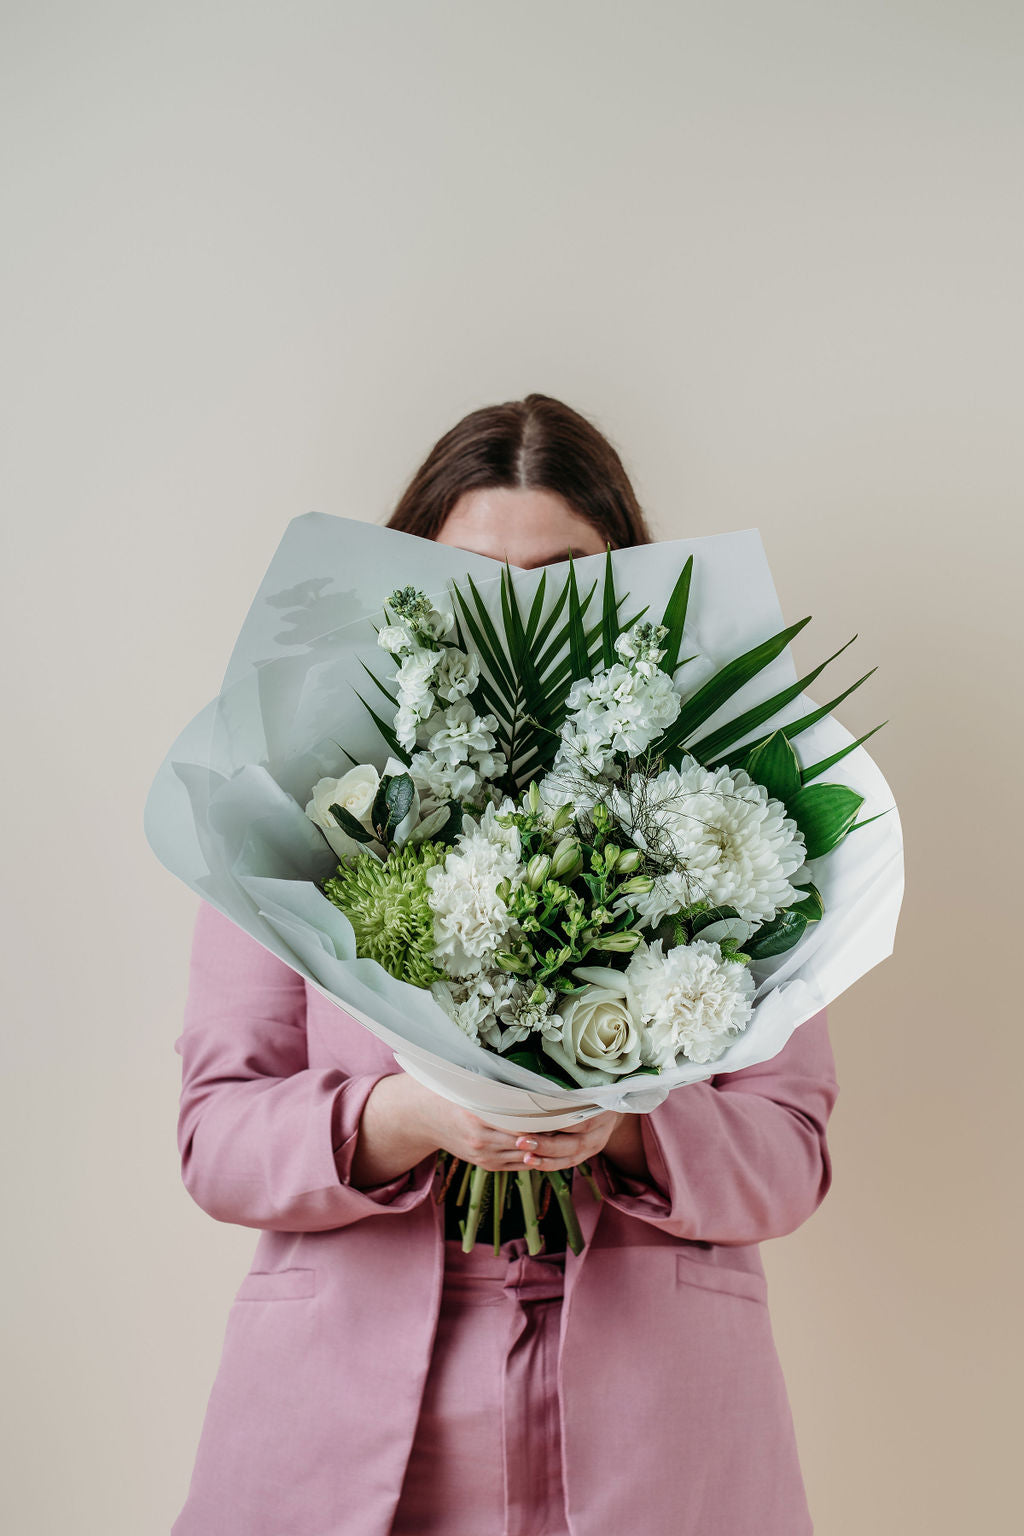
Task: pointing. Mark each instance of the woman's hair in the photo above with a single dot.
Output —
(536, 444)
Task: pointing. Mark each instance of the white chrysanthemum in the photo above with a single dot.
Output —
(732, 844)
(470, 917)
(692, 1002)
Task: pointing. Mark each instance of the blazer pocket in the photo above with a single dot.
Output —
(711, 1277)
(277, 1285)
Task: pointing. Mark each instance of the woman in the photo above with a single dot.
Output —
(373, 1378)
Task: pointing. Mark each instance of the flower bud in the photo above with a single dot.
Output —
(611, 854)
(537, 871)
(506, 961)
(618, 943)
(533, 797)
(627, 861)
(567, 859)
(562, 817)
(503, 889)
(639, 885)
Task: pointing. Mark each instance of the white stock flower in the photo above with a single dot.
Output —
(414, 676)
(457, 674)
(456, 733)
(732, 844)
(354, 792)
(395, 638)
(692, 1002)
(439, 783)
(600, 1037)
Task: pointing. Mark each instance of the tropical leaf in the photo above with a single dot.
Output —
(720, 688)
(674, 619)
(837, 757)
(775, 765)
(385, 690)
(794, 728)
(386, 731)
(610, 612)
(577, 637)
(824, 813)
(714, 745)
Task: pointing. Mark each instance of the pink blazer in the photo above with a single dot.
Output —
(675, 1417)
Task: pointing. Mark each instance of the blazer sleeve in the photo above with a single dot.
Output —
(266, 1140)
(742, 1156)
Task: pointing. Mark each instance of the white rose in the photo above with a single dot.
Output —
(600, 1038)
(354, 792)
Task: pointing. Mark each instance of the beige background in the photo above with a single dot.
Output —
(256, 258)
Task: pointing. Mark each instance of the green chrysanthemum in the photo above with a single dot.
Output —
(386, 903)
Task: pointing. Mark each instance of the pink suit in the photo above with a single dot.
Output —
(674, 1415)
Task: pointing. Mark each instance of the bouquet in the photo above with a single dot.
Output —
(561, 858)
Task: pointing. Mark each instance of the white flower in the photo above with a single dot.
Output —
(395, 638)
(354, 792)
(692, 1002)
(407, 722)
(467, 1003)
(456, 733)
(617, 710)
(640, 646)
(457, 674)
(438, 782)
(732, 844)
(413, 677)
(600, 1036)
(470, 917)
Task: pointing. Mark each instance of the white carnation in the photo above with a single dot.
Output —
(691, 1001)
(470, 917)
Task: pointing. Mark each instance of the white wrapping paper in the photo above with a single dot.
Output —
(226, 810)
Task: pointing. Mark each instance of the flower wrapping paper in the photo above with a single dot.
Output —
(226, 810)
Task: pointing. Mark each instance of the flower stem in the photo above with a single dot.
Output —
(585, 1170)
(464, 1185)
(563, 1194)
(477, 1185)
(534, 1241)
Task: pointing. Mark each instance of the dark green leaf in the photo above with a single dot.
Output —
(793, 729)
(531, 1060)
(837, 757)
(824, 813)
(812, 907)
(386, 731)
(717, 743)
(347, 822)
(391, 804)
(774, 764)
(537, 608)
(718, 689)
(869, 819)
(577, 638)
(674, 618)
(777, 936)
(610, 615)
(383, 688)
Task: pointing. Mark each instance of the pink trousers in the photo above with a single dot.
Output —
(486, 1458)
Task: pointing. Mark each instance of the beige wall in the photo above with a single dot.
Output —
(256, 259)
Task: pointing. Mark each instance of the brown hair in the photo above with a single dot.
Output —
(537, 444)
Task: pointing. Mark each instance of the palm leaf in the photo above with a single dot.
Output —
(674, 618)
(386, 731)
(610, 612)
(794, 728)
(719, 741)
(830, 762)
(718, 689)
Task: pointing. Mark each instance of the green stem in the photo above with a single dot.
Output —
(534, 1241)
(585, 1170)
(563, 1194)
(464, 1185)
(477, 1185)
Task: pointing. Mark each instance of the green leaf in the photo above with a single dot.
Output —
(675, 617)
(496, 650)
(777, 936)
(531, 1060)
(869, 819)
(537, 608)
(718, 742)
(383, 688)
(824, 813)
(794, 728)
(391, 804)
(610, 626)
(386, 731)
(347, 822)
(812, 907)
(774, 764)
(577, 638)
(837, 757)
(720, 688)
